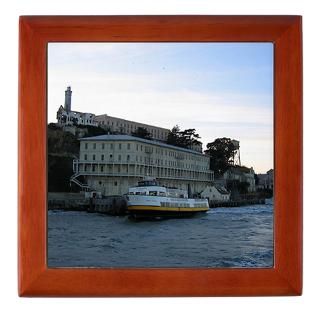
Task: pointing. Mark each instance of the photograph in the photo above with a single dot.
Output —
(160, 155)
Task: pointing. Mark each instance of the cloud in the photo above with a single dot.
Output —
(164, 98)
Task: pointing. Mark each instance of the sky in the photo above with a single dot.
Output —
(220, 89)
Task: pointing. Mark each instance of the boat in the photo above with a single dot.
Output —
(150, 200)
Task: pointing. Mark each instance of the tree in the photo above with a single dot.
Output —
(173, 136)
(189, 137)
(184, 139)
(221, 152)
(143, 133)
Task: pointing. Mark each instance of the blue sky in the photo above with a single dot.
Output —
(221, 89)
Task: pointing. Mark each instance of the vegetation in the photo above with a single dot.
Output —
(142, 133)
(92, 131)
(59, 173)
(62, 143)
(183, 139)
(221, 152)
(63, 147)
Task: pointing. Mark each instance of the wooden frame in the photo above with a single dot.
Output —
(36, 279)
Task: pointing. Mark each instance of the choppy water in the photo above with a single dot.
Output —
(224, 237)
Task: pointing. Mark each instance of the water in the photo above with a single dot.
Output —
(224, 237)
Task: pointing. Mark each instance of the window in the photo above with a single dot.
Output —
(101, 168)
(128, 146)
(102, 146)
(111, 146)
(115, 183)
(110, 156)
(143, 193)
(128, 157)
(119, 146)
(85, 157)
(93, 157)
(86, 145)
(94, 145)
(119, 157)
(102, 157)
(93, 168)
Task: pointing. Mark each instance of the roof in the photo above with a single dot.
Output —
(239, 169)
(98, 117)
(124, 137)
(222, 190)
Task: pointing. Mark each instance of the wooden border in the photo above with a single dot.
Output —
(35, 279)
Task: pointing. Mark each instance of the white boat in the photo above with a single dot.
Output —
(149, 200)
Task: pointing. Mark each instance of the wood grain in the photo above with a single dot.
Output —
(36, 279)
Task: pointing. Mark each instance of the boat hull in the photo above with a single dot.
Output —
(152, 207)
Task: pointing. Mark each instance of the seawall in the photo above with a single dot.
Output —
(237, 203)
(115, 205)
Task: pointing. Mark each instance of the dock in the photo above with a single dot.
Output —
(236, 203)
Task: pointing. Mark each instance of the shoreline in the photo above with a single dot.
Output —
(116, 205)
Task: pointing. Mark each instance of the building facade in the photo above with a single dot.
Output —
(241, 174)
(123, 126)
(265, 180)
(216, 193)
(67, 117)
(111, 164)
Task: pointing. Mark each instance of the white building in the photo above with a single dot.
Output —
(265, 180)
(123, 126)
(67, 117)
(112, 163)
(241, 174)
(216, 193)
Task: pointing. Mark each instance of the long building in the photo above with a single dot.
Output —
(112, 163)
(123, 126)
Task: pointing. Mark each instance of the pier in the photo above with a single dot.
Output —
(113, 205)
(237, 203)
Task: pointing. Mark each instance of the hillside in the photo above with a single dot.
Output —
(63, 148)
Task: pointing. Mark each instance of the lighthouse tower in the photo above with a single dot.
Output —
(67, 99)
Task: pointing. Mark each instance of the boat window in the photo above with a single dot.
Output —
(131, 192)
(152, 193)
(141, 193)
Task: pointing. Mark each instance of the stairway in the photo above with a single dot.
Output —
(84, 187)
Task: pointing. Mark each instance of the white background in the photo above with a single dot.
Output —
(12, 307)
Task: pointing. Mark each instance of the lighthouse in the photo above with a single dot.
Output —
(67, 99)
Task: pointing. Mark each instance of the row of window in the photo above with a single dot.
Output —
(147, 161)
(129, 127)
(147, 149)
(144, 171)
